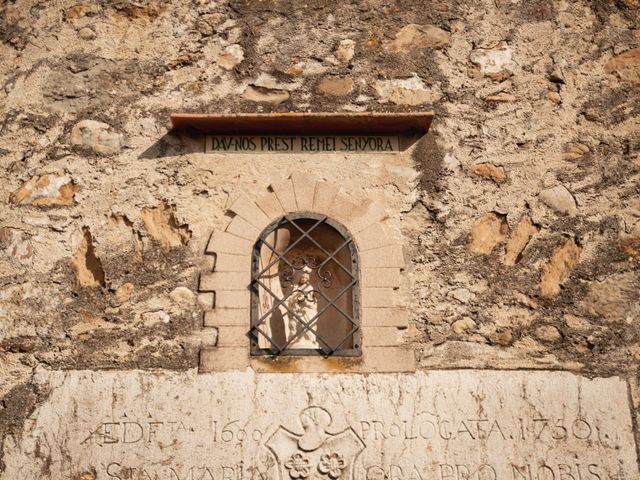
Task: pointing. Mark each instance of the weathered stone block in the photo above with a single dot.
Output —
(380, 337)
(45, 191)
(211, 282)
(223, 242)
(225, 317)
(256, 93)
(223, 359)
(98, 136)
(385, 317)
(389, 359)
(374, 236)
(208, 337)
(371, 213)
(337, 86)
(226, 262)
(304, 187)
(387, 256)
(233, 336)
(380, 277)
(270, 205)
(324, 196)
(164, 227)
(243, 229)
(231, 56)
(559, 267)
(247, 209)
(496, 63)
(559, 199)
(487, 232)
(345, 50)
(625, 66)
(519, 240)
(406, 91)
(342, 209)
(413, 36)
(286, 195)
(487, 169)
(232, 299)
(378, 297)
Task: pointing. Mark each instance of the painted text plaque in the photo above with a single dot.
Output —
(301, 143)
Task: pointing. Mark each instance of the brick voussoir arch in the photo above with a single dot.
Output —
(381, 260)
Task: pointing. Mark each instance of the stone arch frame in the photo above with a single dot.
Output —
(383, 315)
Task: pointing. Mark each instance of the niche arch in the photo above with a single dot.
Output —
(382, 310)
(305, 288)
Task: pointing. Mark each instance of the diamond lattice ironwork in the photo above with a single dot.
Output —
(304, 289)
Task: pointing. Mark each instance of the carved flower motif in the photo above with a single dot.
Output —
(298, 466)
(332, 464)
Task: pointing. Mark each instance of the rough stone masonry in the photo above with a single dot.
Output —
(519, 211)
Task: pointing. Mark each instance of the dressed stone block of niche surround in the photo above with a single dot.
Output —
(311, 286)
(440, 425)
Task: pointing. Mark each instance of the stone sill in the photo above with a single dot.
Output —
(373, 359)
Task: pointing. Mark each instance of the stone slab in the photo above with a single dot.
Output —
(441, 425)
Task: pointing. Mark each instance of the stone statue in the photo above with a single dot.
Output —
(302, 304)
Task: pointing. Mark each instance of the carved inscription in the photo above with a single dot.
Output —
(240, 426)
(407, 471)
(316, 453)
(301, 144)
(131, 432)
(479, 429)
(416, 429)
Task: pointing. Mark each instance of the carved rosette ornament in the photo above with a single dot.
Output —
(332, 464)
(298, 466)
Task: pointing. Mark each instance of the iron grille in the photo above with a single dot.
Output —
(304, 289)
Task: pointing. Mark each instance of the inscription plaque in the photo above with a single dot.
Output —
(301, 143)
(445, 425)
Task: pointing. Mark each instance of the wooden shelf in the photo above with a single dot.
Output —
(367, 123)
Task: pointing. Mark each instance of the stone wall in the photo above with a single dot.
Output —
(519, 211)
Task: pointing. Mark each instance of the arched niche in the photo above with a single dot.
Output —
(305, 288)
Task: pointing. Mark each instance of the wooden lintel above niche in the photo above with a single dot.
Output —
(281, 133)
(306, 123)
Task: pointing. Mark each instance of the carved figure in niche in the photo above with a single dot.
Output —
(303, 305)
(316, 453)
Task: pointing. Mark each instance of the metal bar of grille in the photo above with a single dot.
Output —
(280, 255)
(282, 300)
(305, 234)
(306, 326)
(271, 340)
(345, 338)
(314, 319)
(348, 317)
